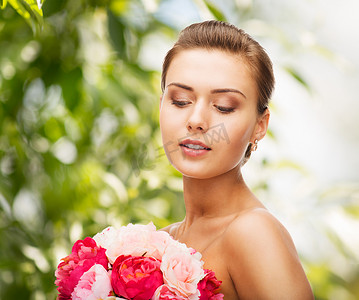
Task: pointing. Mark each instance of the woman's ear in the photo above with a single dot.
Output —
(261, 126)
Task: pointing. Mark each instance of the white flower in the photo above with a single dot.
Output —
(106, 237)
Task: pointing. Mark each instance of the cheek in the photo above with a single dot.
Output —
(164, 129)
(239, 135)
(168, 123)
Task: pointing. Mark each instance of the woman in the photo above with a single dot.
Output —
(216, 84)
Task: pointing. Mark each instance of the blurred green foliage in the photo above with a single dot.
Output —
(80, 146)
(78, 121)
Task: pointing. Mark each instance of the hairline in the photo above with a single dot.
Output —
(236, 54)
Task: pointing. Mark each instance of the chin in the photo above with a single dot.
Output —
(205, 172)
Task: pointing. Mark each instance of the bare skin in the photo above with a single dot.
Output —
(248, 249)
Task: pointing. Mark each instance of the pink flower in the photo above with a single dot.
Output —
(209, 287)
(164, 292)
(158, 243)
(94, 284)
(85, 253)
(128, 240)
(182, 270)
(135, 240)
(136, 277)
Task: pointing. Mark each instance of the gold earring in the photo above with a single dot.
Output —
(255, 145)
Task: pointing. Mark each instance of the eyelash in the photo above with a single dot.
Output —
(221, 109)
(224, 110)
(180, 103)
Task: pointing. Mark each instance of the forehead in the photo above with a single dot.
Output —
(211, 69)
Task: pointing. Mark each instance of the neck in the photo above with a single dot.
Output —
(215, 197)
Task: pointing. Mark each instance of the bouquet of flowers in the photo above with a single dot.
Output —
(134, 262)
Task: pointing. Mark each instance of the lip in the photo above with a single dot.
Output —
(194, 152)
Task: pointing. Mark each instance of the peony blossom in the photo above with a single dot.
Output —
(135, 262)
(135, 240)
(136, 277)
(94, 284)
(85, 253)
(209, 287)
(158, 243)
(182, 270)
(164, 292)
(106, 237)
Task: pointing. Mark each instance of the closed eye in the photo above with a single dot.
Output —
(180, 103)
(224, 110)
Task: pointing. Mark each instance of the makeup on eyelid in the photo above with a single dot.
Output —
(177, 93)
(220, 108)
(227, 107)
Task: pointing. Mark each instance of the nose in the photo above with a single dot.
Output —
(198, 120)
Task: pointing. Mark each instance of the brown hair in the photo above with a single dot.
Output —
(217, 35)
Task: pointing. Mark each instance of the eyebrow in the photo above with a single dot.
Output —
(218, 91)
(215, 91)
(182, 86)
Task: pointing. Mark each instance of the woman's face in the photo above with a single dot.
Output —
(208, 112)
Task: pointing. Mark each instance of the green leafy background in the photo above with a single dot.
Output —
(80, 147)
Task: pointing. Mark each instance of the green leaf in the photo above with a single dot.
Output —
(298, 77)
(30, 11)
(70, 83)
(3, 4)
(117, 34)
(215, 11)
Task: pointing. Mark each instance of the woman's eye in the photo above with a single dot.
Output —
(223, 109)
(180, 103)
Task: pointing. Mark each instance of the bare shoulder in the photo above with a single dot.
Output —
(262, 260)
(259, 226)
